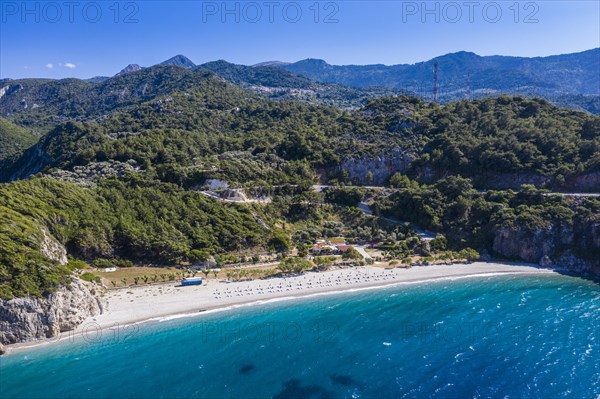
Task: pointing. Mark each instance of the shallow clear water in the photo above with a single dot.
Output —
(509, 336)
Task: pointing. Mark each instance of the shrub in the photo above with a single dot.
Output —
(76, 264)
(351, 254)
(87, 276)
(295, 265)
(469, 254)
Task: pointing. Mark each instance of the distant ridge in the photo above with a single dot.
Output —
(568, 80)
(557, 75)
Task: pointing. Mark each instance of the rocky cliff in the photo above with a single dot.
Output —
(550, 247)
(28, 319)
(587, 182)
(381, 167)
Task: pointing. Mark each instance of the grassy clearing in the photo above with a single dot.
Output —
(148, 275)
(139, 272)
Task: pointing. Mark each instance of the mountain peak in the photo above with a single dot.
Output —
(313, 61)
(179, 60)
(129, 68)
(271, 63)
(459, 55)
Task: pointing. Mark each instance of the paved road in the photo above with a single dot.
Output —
(361, 250)
(365, 208)
(320, 187)
(239, 200)
(575, 194)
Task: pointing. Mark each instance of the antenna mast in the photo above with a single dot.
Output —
(469, 86)
(435, 82)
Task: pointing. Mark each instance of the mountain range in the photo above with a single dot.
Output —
(577, 73)
(66, 99)
(569, 80)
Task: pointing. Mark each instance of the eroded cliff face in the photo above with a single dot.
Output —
(549, 247)
(589, 182)
(381, 167)
(51, 248)
(29, 319)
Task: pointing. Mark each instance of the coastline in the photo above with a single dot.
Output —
(163, 302)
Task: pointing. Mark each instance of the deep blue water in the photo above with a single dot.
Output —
(509, 336)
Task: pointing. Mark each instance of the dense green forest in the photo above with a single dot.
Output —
(181, 135)
(142, 221)
(132, 219)
(501, 142)
(512, 135)
(528, 224)
(14, 139)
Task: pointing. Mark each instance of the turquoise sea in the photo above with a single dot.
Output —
(505, 336)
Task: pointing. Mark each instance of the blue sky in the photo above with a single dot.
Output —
(56, 39)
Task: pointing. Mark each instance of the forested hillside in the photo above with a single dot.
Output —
(530, 224)
(506, 140)
(14, 139)
(279, 84)
(500, 143)
(41, 103)
(139, 220)
(120, 171)
(189, 130)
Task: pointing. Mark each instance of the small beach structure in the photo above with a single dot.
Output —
(327, 247)
(191, 281)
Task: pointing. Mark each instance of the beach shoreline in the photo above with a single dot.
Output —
(162, 302)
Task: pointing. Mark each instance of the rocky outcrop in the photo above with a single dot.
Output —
(523, 244)
(589, 182)
(381, 167)
(548, 247)
(32, 161)
(503, 181)
(52, 249)
(29, 319)
(3, 90)
(129, 68)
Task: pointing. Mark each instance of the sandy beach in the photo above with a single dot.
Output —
(138, 304)
(151, 303)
